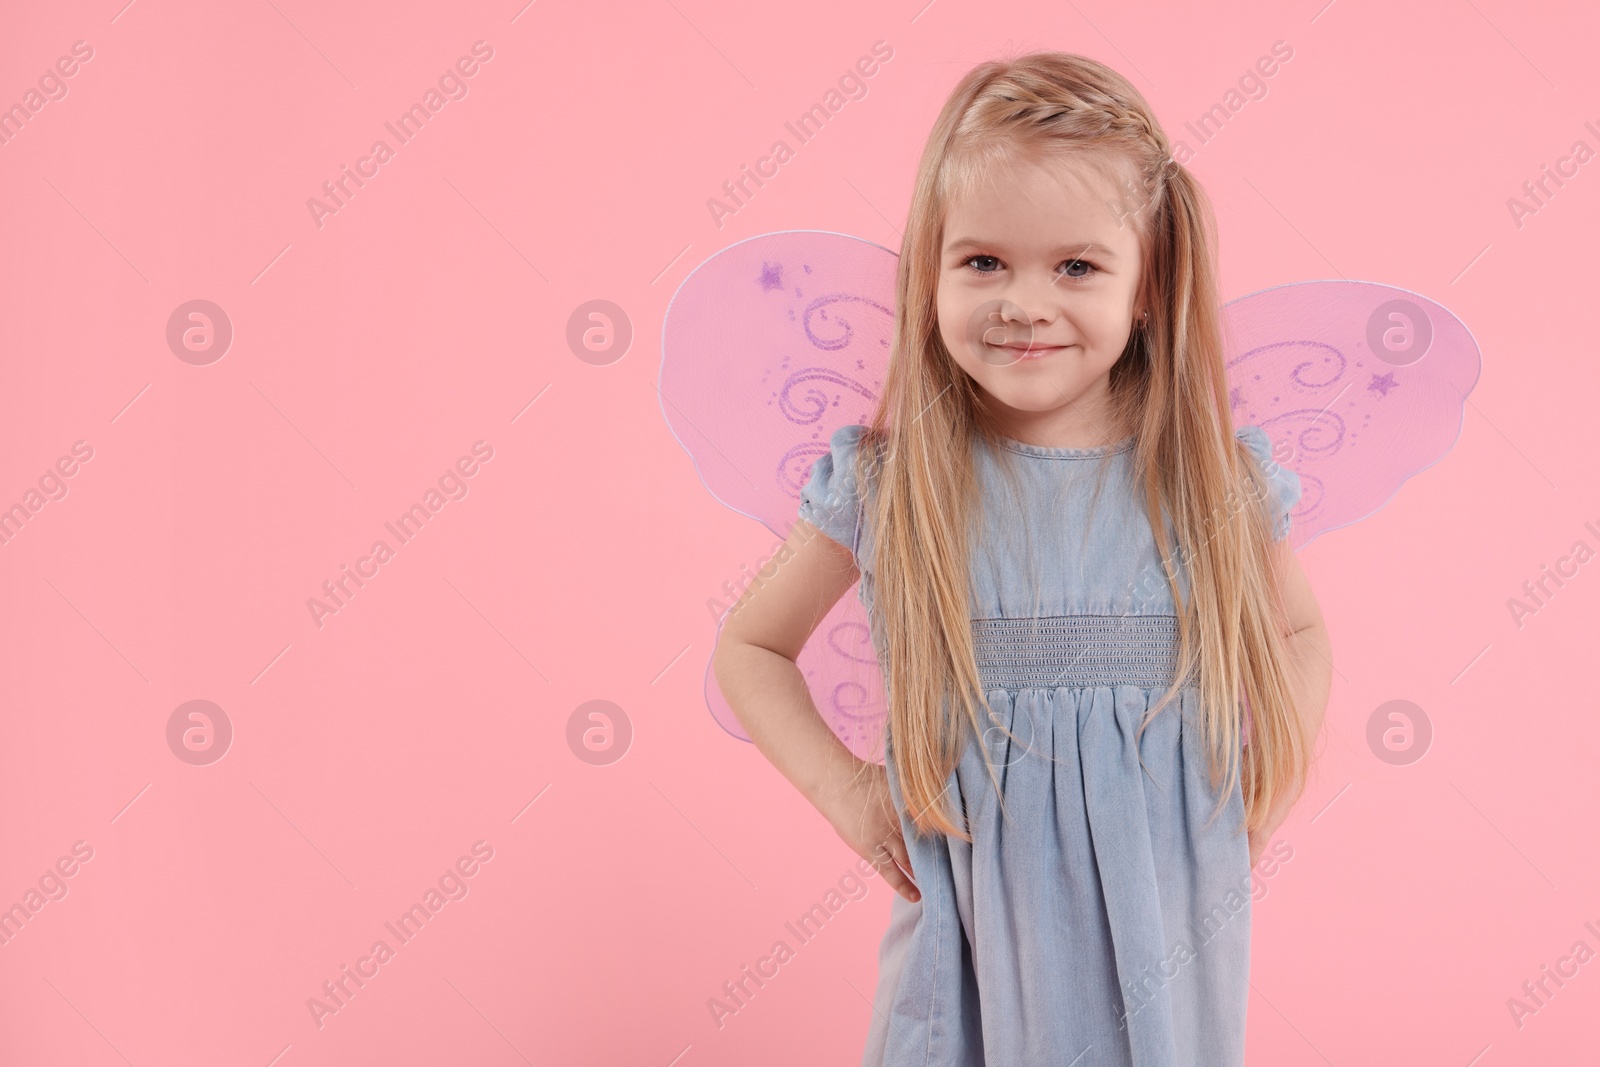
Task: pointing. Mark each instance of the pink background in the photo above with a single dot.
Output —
(372, 352)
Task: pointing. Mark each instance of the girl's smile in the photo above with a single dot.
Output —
(1023, 352)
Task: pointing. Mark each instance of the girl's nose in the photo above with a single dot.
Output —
(1039, 298)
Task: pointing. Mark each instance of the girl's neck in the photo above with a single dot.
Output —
(1100, 433)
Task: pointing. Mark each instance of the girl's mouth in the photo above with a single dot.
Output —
(1025, 352)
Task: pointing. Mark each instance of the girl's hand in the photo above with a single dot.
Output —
(862, 811)
(1258, 845)
(1261, 838)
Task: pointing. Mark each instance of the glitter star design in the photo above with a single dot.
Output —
(771, 276)
(1381, 384)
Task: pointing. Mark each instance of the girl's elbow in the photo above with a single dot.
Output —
(722, 653)
(731, 651)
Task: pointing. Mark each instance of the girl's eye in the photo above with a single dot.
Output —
(1085, 264)
(992, 265)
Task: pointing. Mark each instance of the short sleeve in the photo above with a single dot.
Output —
(1285, 483)
(831, 500)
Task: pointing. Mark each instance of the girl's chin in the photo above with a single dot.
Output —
(1032, 405)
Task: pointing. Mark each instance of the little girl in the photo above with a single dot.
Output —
(1104, 667)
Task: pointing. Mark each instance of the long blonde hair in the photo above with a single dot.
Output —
(1169, 385)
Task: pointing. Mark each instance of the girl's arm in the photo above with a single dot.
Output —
(755, 660)
(1311, 672)
(755, 667)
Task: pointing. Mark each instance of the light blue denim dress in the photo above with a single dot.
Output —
(1103, 922)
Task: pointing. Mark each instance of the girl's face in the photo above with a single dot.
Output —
(1037, 279)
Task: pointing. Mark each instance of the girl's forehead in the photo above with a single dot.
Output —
(1100, 179)
(1031, 200)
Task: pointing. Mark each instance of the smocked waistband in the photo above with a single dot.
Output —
(1078, 651)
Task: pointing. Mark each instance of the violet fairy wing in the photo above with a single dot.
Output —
(1358, 386)
(767, 347)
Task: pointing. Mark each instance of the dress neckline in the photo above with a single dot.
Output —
(1043, 452)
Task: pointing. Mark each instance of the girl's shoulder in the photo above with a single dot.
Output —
(1284, 483)
(831, 498)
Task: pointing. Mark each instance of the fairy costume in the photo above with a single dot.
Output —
(1103, 919)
